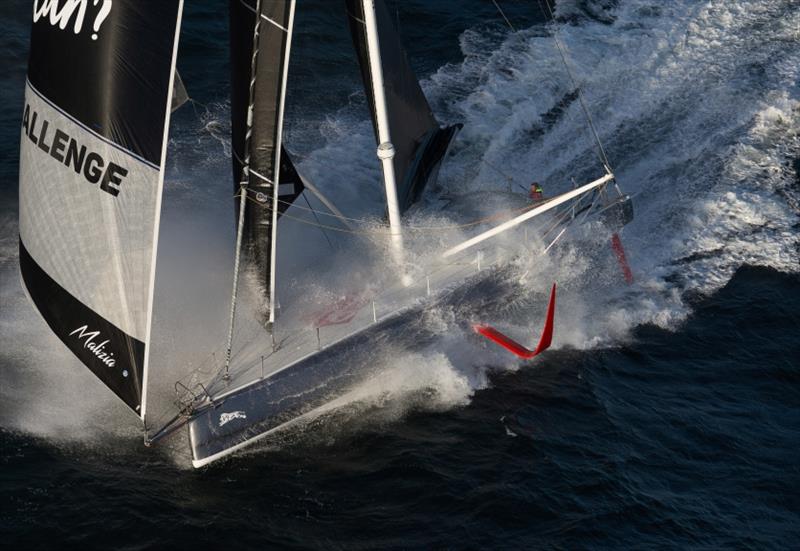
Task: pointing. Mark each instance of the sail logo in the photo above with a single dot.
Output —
(66, 150)
(98, 349)
(226, 418)
(60, 12)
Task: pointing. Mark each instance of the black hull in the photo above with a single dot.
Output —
(251, 413)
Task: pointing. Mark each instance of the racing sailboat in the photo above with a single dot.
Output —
(93, 151)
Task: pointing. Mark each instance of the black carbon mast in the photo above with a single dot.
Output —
(261, 36)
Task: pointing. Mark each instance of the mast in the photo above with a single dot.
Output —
(260, 165)
(243, 183)
(411, 144)
(386, 149)
(278, 148)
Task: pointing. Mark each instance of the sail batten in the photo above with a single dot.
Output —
(91, 168)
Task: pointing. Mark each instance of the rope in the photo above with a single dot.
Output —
(601, 150)
(511, 179)
(385, 228)
(324, 226)
(320, 212)
(510, 26)
(317, 219)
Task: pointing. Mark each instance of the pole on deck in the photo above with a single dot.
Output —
(386, 149)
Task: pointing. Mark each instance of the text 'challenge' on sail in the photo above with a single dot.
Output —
(67, 151)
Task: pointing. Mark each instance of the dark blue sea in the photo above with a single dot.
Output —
(667, 413)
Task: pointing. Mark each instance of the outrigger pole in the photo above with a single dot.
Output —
(549, 205)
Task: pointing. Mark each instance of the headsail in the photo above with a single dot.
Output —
(269, 162)
(418, 140)
(93, 139)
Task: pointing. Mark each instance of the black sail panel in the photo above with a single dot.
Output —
(92, 143)
(114, 83)
(274, 41)
(418, 140)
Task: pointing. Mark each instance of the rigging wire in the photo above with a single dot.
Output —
(323, 213)
(384, 228)
(324, 226)
(314, 212)
(244, 183)
(505, 175)
(562, 52)
(374, 223)
(581, 99)
(510, 26)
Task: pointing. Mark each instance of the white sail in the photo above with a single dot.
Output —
(91, 173)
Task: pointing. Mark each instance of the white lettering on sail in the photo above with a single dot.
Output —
(226, 418)
(98, 349)
(61, 12)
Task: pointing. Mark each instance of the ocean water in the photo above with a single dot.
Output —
(667, 414)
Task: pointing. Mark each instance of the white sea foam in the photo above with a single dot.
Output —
(699, 108)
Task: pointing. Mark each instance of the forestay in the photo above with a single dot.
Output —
(97, 106)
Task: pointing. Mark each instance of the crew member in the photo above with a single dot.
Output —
(537, 193)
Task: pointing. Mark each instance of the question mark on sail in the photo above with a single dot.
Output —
(101, 16)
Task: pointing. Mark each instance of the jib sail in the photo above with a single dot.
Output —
(94, 127)
(270, 167)
(418, 140)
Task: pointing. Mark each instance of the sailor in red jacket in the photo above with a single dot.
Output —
(536, 193)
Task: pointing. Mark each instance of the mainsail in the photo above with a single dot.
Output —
(93, 144)
(419, 142)
(269, 164)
